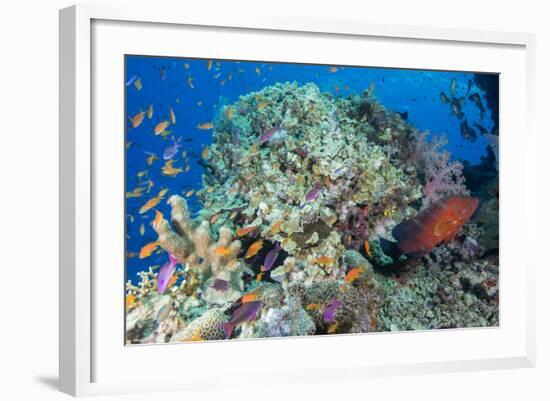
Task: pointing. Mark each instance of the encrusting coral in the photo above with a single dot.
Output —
(299, 187)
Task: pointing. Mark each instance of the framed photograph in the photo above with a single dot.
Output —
(327, 199)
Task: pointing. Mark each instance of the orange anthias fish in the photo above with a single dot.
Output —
(367, 248)
(254, 249)
(148, 249)
(205, 126)
(137, 119)
(149, 111)
(158, 218)
(222, 251)
(249, 297)
(333, 69)
(324, 260)
(172, 116)
(241, 232)
(169, 170)
(229, 112)
(353, 274)
(131, 301)
(209, 65)
(276, 227)
(438, 223)
(161, 127)
(151, 203)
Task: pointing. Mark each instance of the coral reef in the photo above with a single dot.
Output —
(318, 176)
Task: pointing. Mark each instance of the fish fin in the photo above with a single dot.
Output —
(228, 329)
(390, 248)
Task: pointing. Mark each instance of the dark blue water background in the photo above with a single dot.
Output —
(165, 83)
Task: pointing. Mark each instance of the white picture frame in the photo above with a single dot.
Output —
(80, 346)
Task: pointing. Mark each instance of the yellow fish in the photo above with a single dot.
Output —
(371, 88)
(169, 170)
(148, 249)
(136, 192)
(149, 111)
(204, 153)
(261, 105)
(254, 249)
(138, 84)
(137, 119)
(151, 203)
(172, 116)
(190, 193)
(205, 126)
(131, 301)
(161, 127)
(229, 112)
(151, 159)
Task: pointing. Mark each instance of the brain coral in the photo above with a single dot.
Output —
(206, 327)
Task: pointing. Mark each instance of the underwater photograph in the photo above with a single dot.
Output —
(267, 199)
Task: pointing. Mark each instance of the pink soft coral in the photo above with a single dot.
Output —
(442, 177)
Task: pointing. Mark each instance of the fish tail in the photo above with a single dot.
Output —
(228, 329)
(390, 248)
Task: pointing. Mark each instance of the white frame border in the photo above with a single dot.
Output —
(75, 341)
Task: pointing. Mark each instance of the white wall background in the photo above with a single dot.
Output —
(29, 196)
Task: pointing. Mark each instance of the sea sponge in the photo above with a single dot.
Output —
(206, 327)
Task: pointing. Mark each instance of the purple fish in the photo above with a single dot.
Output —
(244, 313)
(331, 309)
(266, 137)
(131, 80)
(235, 136)
(271, 257)
(220, 285)
(312, 194)
(165, 273)
(171, 150)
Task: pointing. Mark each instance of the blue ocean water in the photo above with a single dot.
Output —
(196, 93)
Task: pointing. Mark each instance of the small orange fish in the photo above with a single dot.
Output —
(209, 65)
(151, 203)
(131, 301)
(149, 111)
(241, 232)
(136, 192)
(367, 248)
(158, 218)
(204, 153)
(260, 276)
(229, 112)
(137, 84)
(169, 170)
(327, 181)
(332, 69)
(172, 116)
(142, 229)
(205, 126)
(276, 227)
(190, 82)
(371, 88)
(324, 260)
(254, 249)
(160, 127)
(314, 307)
(172, 280)
(353, 274)
(131, 255)
(222, 251)
(148, 249)
(214, 218)
(190, 193)
(151, 159)
(252, 296)
(137, 119)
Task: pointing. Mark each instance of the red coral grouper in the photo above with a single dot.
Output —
(438, 223)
